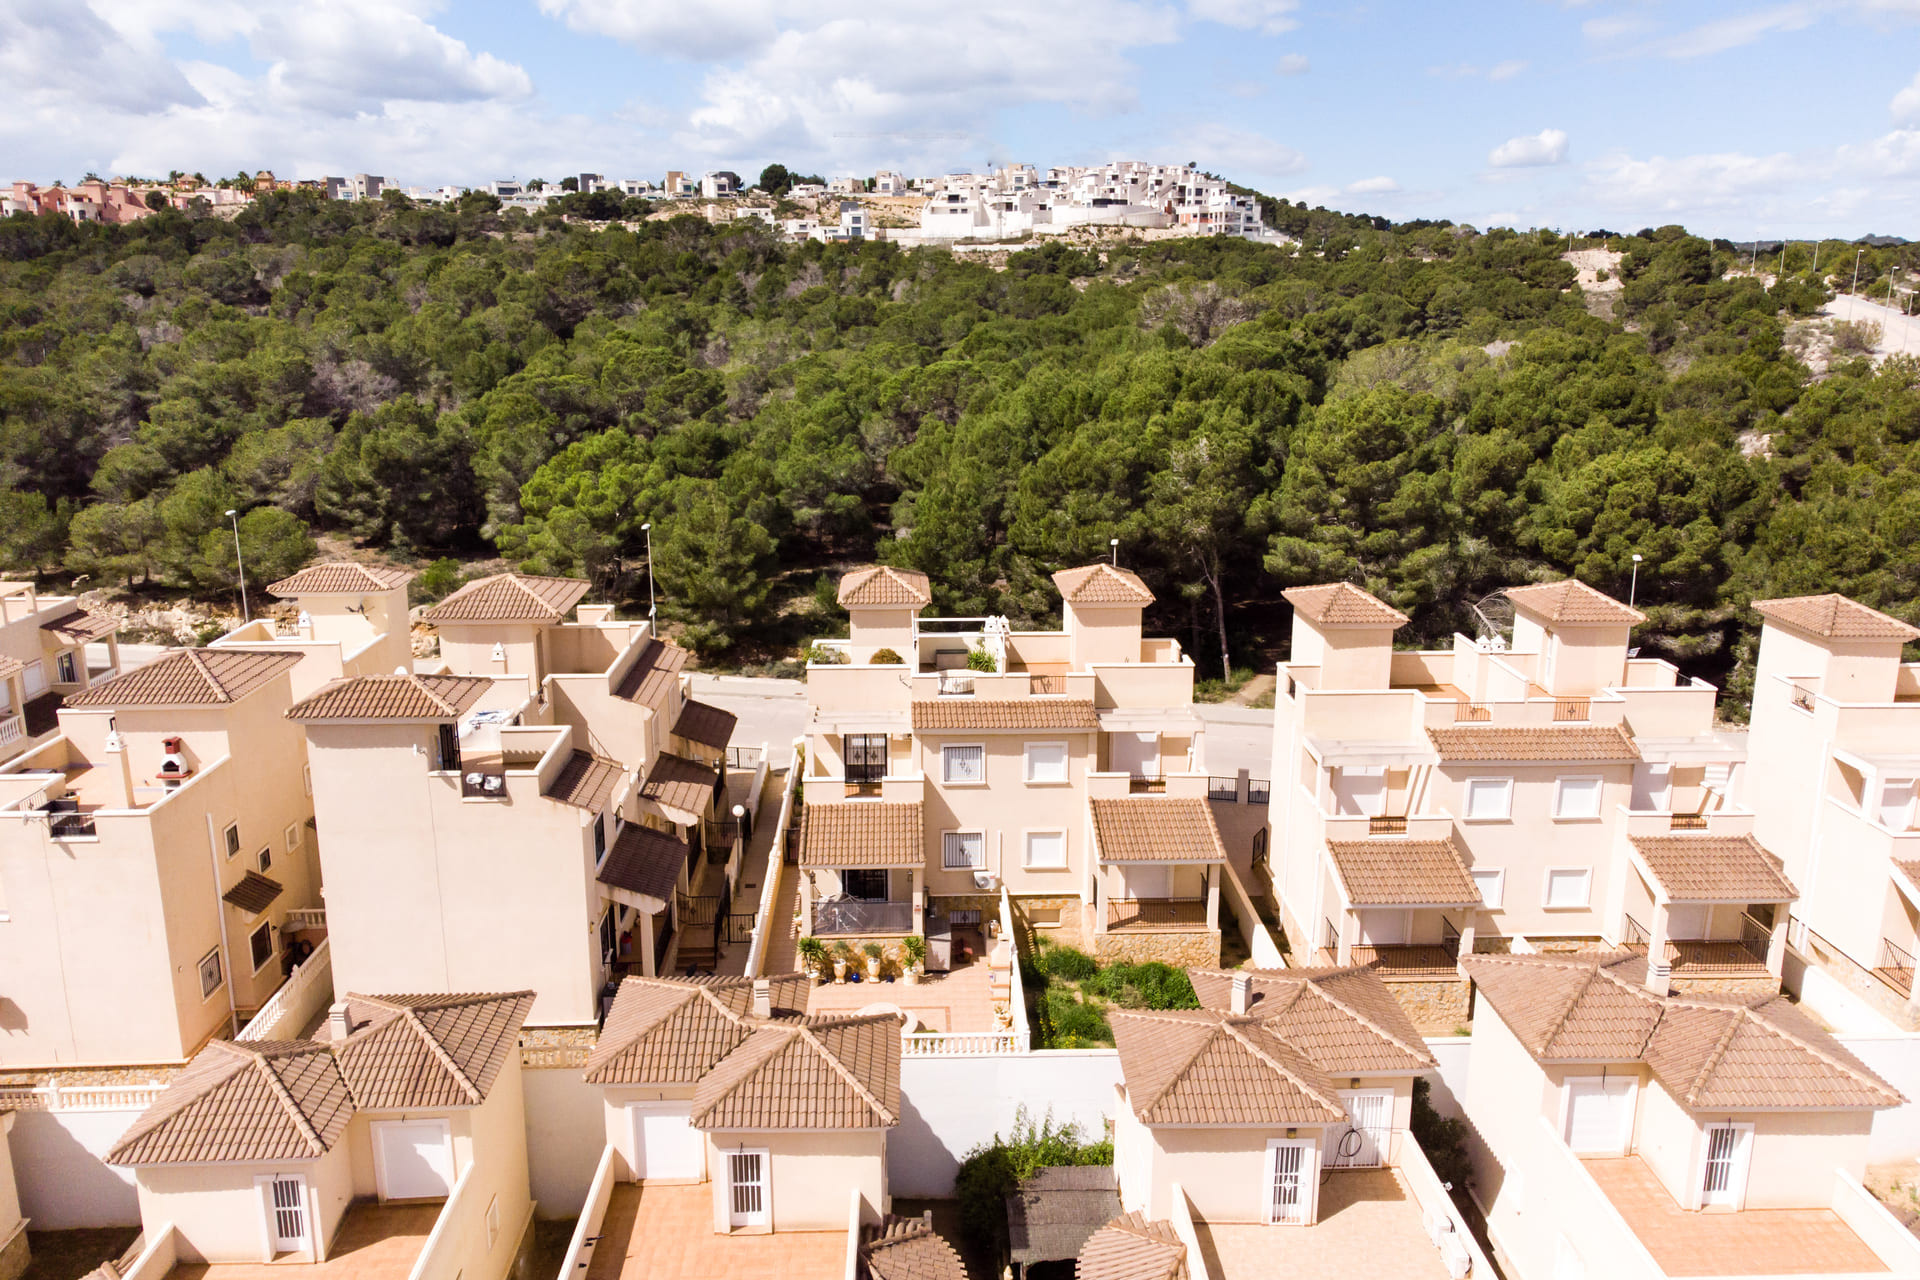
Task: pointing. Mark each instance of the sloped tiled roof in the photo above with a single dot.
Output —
(1341, 604)
(189, 678)
(406, 1052)
(510, 597)
(705, 724)
(675, 1030)
(863, 833)
(1709, 868)
(1710, 1052)
(817, 1073)
(679, 783)
(1133, 1248)
(81, 627)
(339, 578)
(1402, 873)
(907, 1249)
(652, 673)
(937, 715)
(645, 861)
(1500, 743)
(1344, 1020)
(1056, 1209)
(1102, 584)
(1835, 617)
(586, 781)
(394, 697)
(255, 893)
(260, 1100)
(1574, 603)
(883, 586)
(1155, 829)
(1201, 1066)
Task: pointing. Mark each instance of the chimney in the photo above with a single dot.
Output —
(339, 1024)
(762, 998)
(1237, 1002)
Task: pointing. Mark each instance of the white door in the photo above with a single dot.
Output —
(1137, 754)
(413, 1159)
(36, 678)
(1289, 1180)
(1724, 1176)
(1362, 1142)
(1599, 1114)
(665, 1143)
(747, 1189)
(1383, 928)
(1688, 924)
(287, 1212)
(1148, 882)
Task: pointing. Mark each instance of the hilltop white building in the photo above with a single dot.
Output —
(1014, 200)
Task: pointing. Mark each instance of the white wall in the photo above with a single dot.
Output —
(58, 1159)
(1450, 1080)
(565, 1133)
(1896, 1133)
(951, 1105)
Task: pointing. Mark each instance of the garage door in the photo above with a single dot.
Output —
(1599, 1114)
(665, 1143)
(415, 1159)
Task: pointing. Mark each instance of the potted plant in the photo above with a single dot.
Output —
(842, 953)
(813, 956)
(914, 948)
(874, 952)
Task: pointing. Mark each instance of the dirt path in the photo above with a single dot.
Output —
(1253, 690)
(1899, 335)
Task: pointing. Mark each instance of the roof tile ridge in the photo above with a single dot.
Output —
(284, 1097)
(1232, 1029)
(786, 1032)
(1560, 1023)
(446, 707)
(531, 594)
(1181, 1074)
(846, 1073)
(1804, 1045)
(1421, 1052)
(1712, 1061)
(442, 1056)
(206, 673)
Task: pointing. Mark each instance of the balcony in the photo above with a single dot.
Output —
(1163, 915)
(1741, 957)
(13, 729)
(484, 783)
(1386, 825)
(1895, 968)
(838, 917)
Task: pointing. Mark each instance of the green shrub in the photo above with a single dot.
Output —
(887, 658)
(1151, 985)
(824, 657)
(1068, 964)
(992, 1171)
(1075, 1024)
(436, 582)
(979, 660)
(1442, 1140)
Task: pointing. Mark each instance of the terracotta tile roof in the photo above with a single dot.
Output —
(1055, 1210)
(255, 893)
(189, 678)
(1155, 829)
(882, 586)
(653, 673)
(340, 578)
(586, 781)
(675, 782)
(81, 627)
(394, 697)
(907, 1249)
(1711, 1053)
(1708, 868)
(1574, 602)
(1836, 618)
(862, 833)
(1132, 1248)
(645, 861)
(510, 597)
(675, 1030)
(1343, 1020)
(261, 1100)
(1201, 1066)
(1498, 743)
(936, 715)
(1403, 873)
(407, 1052)
(1102, 583)
(705, 724)
(816, 1073)
(1341, 604)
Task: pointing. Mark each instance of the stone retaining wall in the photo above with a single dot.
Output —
(1438, 1006)
(1182, 949)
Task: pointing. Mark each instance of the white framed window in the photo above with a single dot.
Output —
(1568, 886)
(306, 777)
(260, 946)
(1492, 884)
(1489, 799)
(233, 839)
(1047, 850)
(212, 974)
(1046, 762)
(1575, 798)
(293, 836)
(963, 763)
(964, 850)
(264, 858)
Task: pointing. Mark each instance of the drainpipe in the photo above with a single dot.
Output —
(220, 913)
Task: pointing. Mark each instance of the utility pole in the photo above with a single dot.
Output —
(246, 615)
(1856, 272)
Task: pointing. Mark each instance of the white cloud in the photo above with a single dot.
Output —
(1273, 17)
(1732, 33)
(1906, 103)
(1247, 157)
(1549, 146)
(1469, 71)
(1507, 70)
(1681, 185)
(1292, 64)
(1372, 186)
(1454, 71)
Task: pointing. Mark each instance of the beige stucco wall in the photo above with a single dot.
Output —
(1005, 807)
(870, 630)
(1350, 657)
(618, 1122)
(220, 1211)
(813, 1174)
(9, 1185)
(1109, 634)
(467, 649)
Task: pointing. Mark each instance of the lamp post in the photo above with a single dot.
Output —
(1633, 590)
(1113, 549)
(647, 529)
(245, 614)
(1856, 272)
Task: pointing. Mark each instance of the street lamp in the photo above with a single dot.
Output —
(647, 529)
(1856, 272)
(1633, 590)
(1113, 549)
(234, 515)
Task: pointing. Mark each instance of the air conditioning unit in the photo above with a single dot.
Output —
(1454, 1255)
(1439, 1226)
(985, 881)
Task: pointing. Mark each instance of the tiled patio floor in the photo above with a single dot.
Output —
(666, 1233)
(1369, 1226)
(1756, 1242)
(376, 1242)
(958, 1001)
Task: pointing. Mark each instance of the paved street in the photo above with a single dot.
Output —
(770, 711)
(1236, 738)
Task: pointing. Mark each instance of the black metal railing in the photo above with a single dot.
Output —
(662, 936)
(743, 757)
(67, 826)
(1465, 712)
(835, 916)
(1381, 824)
(1568, 709)
(1896, 967)
(1258, 789)
(1045, 685)
(1227, 789)
(1635, 936)
(739, 926)
(1141, 784)
(1259, 849)
(1687, 822)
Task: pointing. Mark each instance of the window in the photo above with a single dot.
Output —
(1568, 887)
(293, 836)
(260, 944)
(448, 742)
(867, 886)
(233, 839)
(963, 764)
(1489, 798)
(609, 935)
(599, 840)
(1577, 798)
(306, 777)
(265, 858)
(964, 851)
(1046, 762)
(1047, 850)
(866, 757)
(64, 664)
(211, 975)
(1492, 884)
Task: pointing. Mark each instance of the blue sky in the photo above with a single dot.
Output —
(1796, 118)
